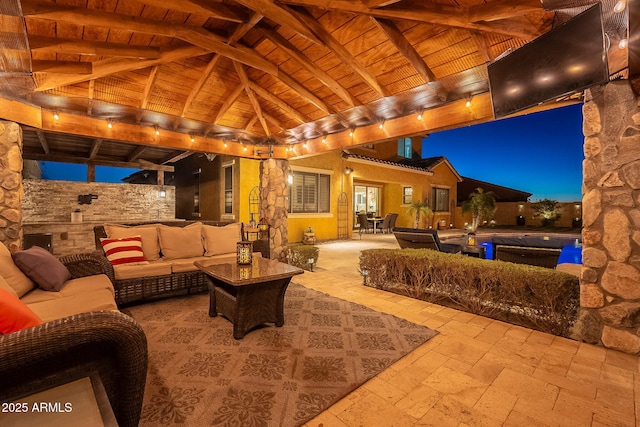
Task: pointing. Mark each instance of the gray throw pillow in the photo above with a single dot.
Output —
(42, 267)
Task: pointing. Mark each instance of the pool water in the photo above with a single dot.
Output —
(571, 253)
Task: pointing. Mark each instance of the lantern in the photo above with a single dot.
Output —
(244, 272)
(244, 251)
(471, 239)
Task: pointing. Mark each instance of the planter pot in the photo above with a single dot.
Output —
(309, 238)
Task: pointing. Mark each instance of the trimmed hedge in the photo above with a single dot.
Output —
(535, 297)
(299, 255)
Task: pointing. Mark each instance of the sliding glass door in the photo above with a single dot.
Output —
(366, 198)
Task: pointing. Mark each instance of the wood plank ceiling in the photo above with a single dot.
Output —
(221, 76)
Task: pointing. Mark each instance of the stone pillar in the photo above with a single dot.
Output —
(274, 203)
(610, 277)
(11, 191)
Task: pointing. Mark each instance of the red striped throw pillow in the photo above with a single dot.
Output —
(127, 250)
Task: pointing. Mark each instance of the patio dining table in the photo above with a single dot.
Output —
(375, 221)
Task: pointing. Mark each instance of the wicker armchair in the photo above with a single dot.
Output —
(107, 343)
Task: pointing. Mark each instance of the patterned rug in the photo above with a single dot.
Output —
(200, 376)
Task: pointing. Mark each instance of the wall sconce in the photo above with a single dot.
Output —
(348, 170)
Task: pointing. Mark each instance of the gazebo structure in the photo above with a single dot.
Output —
(144, 83)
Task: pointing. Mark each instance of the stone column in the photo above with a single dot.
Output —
(274, 203)
(610, 277)
(11, 191)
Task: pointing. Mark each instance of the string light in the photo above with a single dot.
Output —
(225, 145)
(324, 139)
(420, 115)
(56, 116)
(468, 103)
(157, 130)
(381, 125)
(351, 132)
(304, 144)
(193, 138)
(109, 124)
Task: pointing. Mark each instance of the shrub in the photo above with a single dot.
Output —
(535, 297)
(299, 255)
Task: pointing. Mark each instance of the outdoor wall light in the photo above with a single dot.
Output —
(348, 170)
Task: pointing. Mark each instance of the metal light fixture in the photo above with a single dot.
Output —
(348, 170)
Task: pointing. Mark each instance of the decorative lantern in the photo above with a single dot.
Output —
(471, 239)
(244, 251)
(244, 272)
(264, 225)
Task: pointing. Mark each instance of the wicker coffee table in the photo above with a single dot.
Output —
(248, 295)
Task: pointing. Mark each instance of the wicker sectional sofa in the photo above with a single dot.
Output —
(82, 334)
(170, 249)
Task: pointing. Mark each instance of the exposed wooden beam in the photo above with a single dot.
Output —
(273, 120)
(147, 89)
(237, 35)
(433, 13)
(43, 141)
(502, 9)
(61, 67)
(289, 110)
(111, 66)
(176, 157)
(379, 3)
(137, 152)
(483, 46)
(91, 172)
(42, 44)
(340, 51)
(407, 50)
(117, 21)
(212, 9)
(252, 97)
(92, 86)
(280, 16)
(319, 74)
(302, 91)
(231, 99)
(95, 147)
(85, 161)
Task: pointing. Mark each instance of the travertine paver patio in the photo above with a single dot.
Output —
(477, 371)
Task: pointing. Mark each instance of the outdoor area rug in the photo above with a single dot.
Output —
(199, 375)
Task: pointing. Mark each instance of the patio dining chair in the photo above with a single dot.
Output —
(386, 224)
(364, 223)
(392, 224)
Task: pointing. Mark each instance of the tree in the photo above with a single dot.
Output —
(481, 204)
(547, 210)
(419, 208)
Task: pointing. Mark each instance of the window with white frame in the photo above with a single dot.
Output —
(440, 199)
(228, 188)
(309, 192)
(407, 195)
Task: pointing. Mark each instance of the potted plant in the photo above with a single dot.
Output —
(418, 209)
(309, 236)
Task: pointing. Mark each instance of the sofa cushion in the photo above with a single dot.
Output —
(101, 299)
(221, 240)
(126, 250)
(78, 286)
(147, 232)
(181, 242)
(4, 285)
(14, 314)
(127, 271)
(42, 267)
(20, 283)
(187, 264)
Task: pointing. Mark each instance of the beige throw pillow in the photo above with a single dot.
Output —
(221, 240)
(181, 242)
(18, 281)
(148, 234)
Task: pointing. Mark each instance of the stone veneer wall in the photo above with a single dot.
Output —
(53, 201)
(11, 191)
(274, 203)
(610, 277)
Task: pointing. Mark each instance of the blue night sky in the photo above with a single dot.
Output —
(538, 153)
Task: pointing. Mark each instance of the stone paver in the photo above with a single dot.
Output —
(477, 371)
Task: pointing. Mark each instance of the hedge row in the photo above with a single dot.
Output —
(535, 297)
